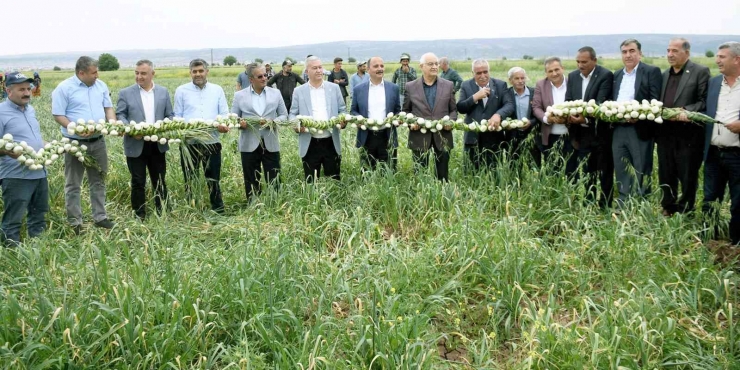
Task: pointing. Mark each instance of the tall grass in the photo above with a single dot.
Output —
(506, 269)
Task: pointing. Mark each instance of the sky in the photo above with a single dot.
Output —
(108, 25)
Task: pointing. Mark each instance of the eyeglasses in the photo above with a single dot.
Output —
(432, 64)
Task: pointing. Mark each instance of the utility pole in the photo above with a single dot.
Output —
(347, 54)
(211, 57)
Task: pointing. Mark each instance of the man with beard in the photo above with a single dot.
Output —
(285, 82)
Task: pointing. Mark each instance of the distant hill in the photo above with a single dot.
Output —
(511, 48)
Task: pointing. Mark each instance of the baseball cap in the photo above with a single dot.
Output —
(405, 56)
(362, 62)
(17, 78)
(287, 62)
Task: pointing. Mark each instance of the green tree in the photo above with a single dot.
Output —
(527, 57)
(107, 62)
(709, 54)
(230, 60)
(258, 60)
(351, 60)
(57, 68)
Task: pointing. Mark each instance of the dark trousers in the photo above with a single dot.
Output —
(321, 153)
(722, 168)
(441, 162)
(21, 196)
(598, 164)
(561, 144)
(156, 162)
(376, 151)
(253, 163)
(679, 160)
(208, 157)
(486, 153)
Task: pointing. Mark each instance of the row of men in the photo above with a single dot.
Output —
(286, 79)
(599, 146)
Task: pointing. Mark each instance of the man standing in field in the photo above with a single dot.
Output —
(320, 100)
(285, 82)
(553, 131)
(483, 97)
(522, 96)
(145, 102)
(593, 140)
(358, 77)
(374, 99)
(259, 146)
(430, 98)
(268, 71)
(339, 77)
(202, 100)
(403, 75)
(681, 142)
(24, 190)
(722, 141)
(242, 81)
(633, 142)
(84, 96)
(449, 73)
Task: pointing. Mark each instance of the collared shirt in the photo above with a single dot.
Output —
(356, 79)
(318, 106)
(558, 97)
(430, 93)
(147, 100)
(728, 110)
(22, 124)
(627, 87)
(671, 87)
(522, 103)
(75, 100)
(400, 78)
(584, 83)
(193, 102)
(259, 101)
(243, 80)
(376, 101)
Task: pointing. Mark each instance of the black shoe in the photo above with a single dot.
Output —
(106, 224)
(77, 229)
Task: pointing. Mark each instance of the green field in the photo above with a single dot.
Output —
(510, 269)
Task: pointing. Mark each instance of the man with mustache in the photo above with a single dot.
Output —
(285, 82)
(84, 96)
(24, 190)
(375, 99)
(203, 100)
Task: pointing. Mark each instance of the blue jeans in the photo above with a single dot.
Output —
(19, 196)
(722, 168)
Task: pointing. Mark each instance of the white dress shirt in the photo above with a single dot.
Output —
(627, 87)
(376, 101)
(485, 100)
(558, 97)
(318, 106)
(147, 100)
(584, 83)
(728, 110)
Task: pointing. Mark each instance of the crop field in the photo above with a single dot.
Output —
(507, 269)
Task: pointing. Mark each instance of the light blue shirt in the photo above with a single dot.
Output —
(259, 101)
(75, 100)
(627, 88)
(522, 103)
(22, 124)
(193, 102)
(356, 80)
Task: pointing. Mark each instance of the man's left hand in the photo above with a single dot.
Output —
(733, 126)
(222, 129)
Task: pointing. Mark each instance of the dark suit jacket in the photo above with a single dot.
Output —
(360, 95)
(647, 86)
(131, 108)
(691, 95)
(715, 84)
(415, 102)
(534, 124)
(499, 102)
(599, 89)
